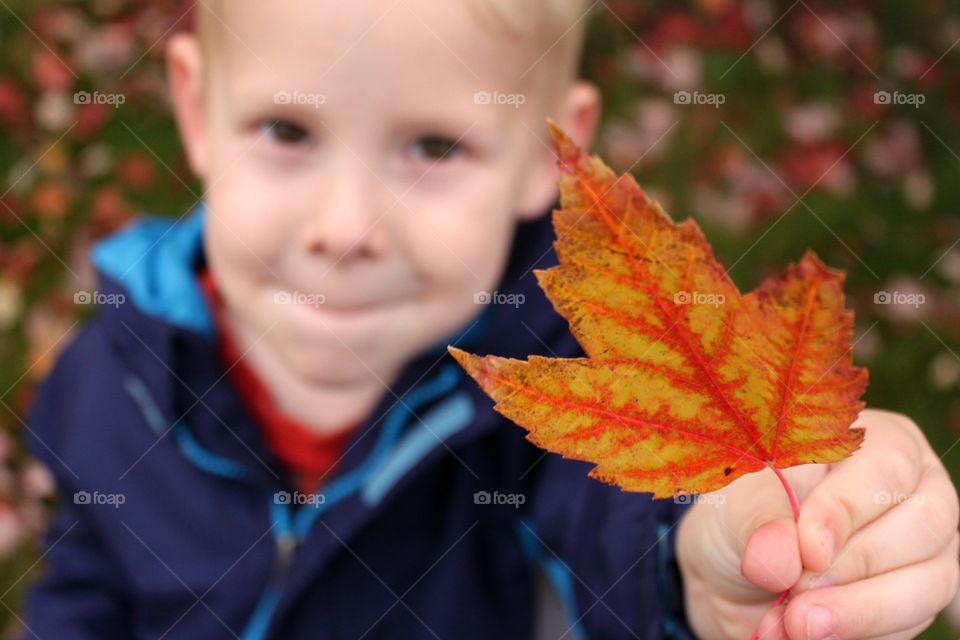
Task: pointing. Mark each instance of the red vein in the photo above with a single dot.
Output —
(555, 402)
(788, 381)
(716, 387)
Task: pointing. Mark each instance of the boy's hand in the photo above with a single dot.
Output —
(880, 528)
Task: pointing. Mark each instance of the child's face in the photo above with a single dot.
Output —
(359, 194)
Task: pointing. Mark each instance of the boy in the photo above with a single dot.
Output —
(269, 440)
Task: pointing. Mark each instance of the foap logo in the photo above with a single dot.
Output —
(298, 97)
(699, 297)
(715, 499)
(95, 297)
(499, 98)
(299, 297)
(898, 97)
(299, 498)
(512, 499)
(697, 97)
(885, 497)
(899, 298)
(96, 498)
(486, 297)
(110, 99)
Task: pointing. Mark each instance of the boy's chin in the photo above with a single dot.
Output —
(336, 365)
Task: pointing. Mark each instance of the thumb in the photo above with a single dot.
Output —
(771, 556)
(758, 521)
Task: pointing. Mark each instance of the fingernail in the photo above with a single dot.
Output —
(821, 623)
(827, 540)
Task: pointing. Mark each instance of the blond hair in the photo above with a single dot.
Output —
(557, 27)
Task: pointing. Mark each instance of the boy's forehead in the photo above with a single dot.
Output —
(413, 41)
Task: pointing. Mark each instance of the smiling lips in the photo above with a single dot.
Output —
(357, 300)
(319, 303)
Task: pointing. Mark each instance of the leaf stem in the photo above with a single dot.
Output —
(795, 506)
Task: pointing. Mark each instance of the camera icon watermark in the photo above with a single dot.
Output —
(98, 298)
(714, 499)
(899, 298)
(499, 98)
(885, 497)
(697, 97)
(512, 499)
(699, 298)
(299, 297)
(298, 498)
(96, 498)
(899, 97)
(496, 297)
(298, 97)
(110, 99)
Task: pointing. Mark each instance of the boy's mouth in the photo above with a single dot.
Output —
(347, 301)
(318, 304)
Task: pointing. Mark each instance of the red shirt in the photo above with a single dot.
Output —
(308, 456)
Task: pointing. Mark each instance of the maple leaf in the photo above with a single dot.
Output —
(687, 384)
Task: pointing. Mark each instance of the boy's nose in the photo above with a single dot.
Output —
(348, 221)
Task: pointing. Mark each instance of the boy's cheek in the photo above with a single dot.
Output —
(246, 228)
(463, 242)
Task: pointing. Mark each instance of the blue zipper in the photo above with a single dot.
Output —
(290, 529)
(286, 548)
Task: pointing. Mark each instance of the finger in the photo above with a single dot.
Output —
(884, 604)
(888, 463)
(754, 536)
(771, 625)
(918, 528)
(771, 559)
(907, 634)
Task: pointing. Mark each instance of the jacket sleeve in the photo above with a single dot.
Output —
(79, 592)
(77, 597)
(610, 554)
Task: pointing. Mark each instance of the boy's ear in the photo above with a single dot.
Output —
(578, 115)
(184, 75)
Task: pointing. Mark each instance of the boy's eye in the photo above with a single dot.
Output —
(286, 132)
(436, 148)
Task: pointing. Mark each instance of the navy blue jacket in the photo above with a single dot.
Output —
(175, 520)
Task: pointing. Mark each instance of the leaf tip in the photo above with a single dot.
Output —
(543, 276)
(568, 153)
(811, 263)
(477, 367)
(462, 357)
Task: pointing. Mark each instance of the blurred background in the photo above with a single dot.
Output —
(778, 125)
